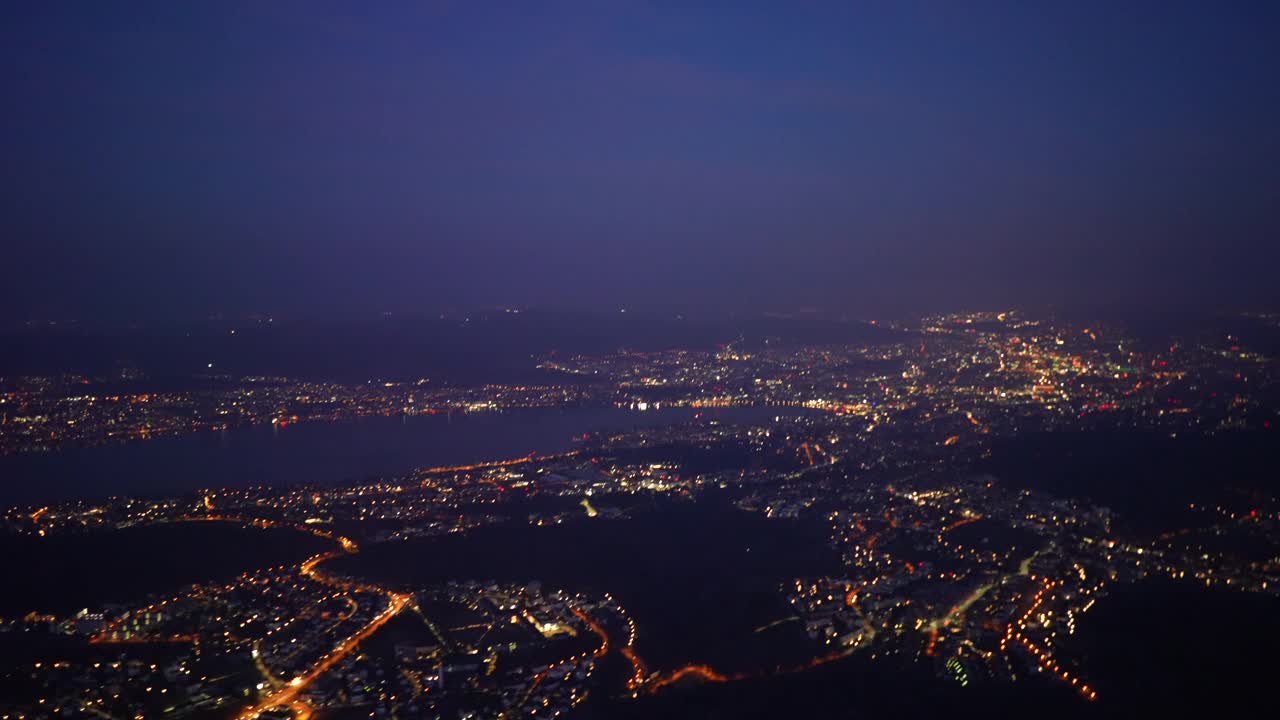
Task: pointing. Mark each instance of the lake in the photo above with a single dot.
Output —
(321, 452)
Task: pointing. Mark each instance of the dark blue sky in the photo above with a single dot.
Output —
(179, 158)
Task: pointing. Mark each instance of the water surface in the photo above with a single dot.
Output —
(322, 452)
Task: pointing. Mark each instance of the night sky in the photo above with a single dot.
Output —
(174, 159)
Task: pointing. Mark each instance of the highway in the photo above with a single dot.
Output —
(289, 694)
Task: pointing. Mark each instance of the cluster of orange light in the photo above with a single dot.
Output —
(288, 695)
(710, 674)
(932, 645)
(639, 671)
(704, 672)
(959, 523)
(808, 452)
(496, 463)
(1043, 657)
(347, 543)
(597, 629)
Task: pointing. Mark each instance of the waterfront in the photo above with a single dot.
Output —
(320, 452)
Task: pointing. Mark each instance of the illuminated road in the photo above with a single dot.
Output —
(955, 613)
(347, 543)
(1024, 567)
(703, 672)
(776, 623)
(495, 463)
(271, 679)
(288, 695)
(597, 629)
(97, 711)
(805, 471)
(707, 673)
(1043, 657)
(642, 681)
(958, 611)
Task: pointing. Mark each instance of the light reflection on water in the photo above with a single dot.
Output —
(321, 451)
